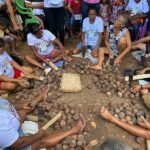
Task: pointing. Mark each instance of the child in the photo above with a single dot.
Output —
(105, 12)
(75, 10)
(8, 37)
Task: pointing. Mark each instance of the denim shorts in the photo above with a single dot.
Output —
(79, 46)
(72, 21)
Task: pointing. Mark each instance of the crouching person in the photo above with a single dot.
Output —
(10, 71)
(12, 136)
(92, 30)
(117, 41)
(45, 47)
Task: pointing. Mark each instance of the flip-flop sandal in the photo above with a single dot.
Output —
(84, 122)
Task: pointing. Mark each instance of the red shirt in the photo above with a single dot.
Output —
(75, 6)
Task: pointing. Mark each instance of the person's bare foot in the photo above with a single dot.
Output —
(106, 115)
(95, 67)
(40, 98)
(80, 125)
(144, 123)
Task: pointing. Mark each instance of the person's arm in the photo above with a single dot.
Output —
(128, 48)
(8, 79)
(70, 10)
(39, 5)
(142, 71)
(131, 129)
(28, 140)
(146, 86)
(107, 43)
(12, 15)
(99, 41)
(143, 40)
(12, 35)
(134, 130)
(41, 22)
(60, 46)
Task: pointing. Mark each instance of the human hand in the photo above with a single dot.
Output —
(144, 123)
(15, 26)
(141, 71)
(94, 52)
(26, 106)
(23, 83)
(136, 88)
(117, 61)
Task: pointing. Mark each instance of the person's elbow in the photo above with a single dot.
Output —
(129, 46)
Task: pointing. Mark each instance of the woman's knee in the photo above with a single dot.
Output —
(67, 52)
(75, 51)
(28, 69)
(102, 51)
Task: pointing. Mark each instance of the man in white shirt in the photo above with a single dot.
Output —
(92, 30)
(12, 136)
(43, 44)
(138, 10)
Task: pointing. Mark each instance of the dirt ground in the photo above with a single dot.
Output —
(90, 99)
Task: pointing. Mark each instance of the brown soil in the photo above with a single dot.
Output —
(90, 99)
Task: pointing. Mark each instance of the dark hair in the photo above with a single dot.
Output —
(2, 43)
(92, 8)
(33, 28)
(107, 2)
(4, 22)
(112, 144)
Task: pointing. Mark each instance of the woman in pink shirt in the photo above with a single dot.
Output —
(88, 4)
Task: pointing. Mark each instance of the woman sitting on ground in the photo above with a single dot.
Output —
(117, 41)
(45, 47)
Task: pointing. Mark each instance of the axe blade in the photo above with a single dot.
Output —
(83, 50)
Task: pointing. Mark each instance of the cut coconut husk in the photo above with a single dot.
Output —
(70, 83)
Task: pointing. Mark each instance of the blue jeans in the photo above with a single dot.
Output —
(72, 21)
(135, 31)
(85, 7)
(79, 46)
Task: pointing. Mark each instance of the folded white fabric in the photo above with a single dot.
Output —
(30, 127)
